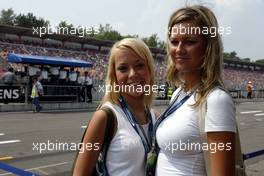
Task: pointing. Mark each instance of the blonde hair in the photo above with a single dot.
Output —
(213, 58)
(139, 48)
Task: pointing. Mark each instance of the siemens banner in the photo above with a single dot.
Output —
(9, 94)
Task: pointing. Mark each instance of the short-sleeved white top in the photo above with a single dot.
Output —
(179, 133)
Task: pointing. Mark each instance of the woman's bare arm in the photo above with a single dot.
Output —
(92, 144)
(222, 154)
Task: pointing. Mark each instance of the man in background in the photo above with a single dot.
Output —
(9, 78)
(88, 83)
(249, 89)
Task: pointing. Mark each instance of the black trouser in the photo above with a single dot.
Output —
(72, 90)
(44, 82)
(89, 92)
(249, 95)
(62, 90)
(54, 80)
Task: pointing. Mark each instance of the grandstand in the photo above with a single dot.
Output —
(22, 41)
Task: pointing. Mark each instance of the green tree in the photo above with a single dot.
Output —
(233, 54)
(30, 20)
(7, 17)
(226, 55)
(65, 28)
(130, 36)
(112, 35)
(162, 45)
(91, 33)
(65, 24)
(246, 59)
(260, 61)
(151, 41)
(108, 33)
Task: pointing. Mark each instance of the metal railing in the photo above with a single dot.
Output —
(256, 94)
(78, 93)
(52, 93)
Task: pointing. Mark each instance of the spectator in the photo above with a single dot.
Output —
(9, 78)
(249, 89)
(33, 70)
(54, 79)
(62, 80)
(72, 76)
(72, 80)
(88, 83)
(36, 91)
(81, 89)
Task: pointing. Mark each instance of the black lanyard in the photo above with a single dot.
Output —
(137, 127)
(173, 106)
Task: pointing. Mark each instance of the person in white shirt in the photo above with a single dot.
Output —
(72, 81)
(54, 75)
(130, 64)
(54, 70)
(62, 76)
(32, 70)
(88, 83)
(81, 87)
(9, 77)
(80, 79)
(44, 78)
(62, 81)
(44, 74)
(54, 79)
(36, 92)
(72, 76)
(195, 65)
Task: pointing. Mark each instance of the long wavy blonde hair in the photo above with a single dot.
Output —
(139, 48)
(213, 57)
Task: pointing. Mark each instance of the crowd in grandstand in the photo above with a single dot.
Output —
(238, 78)
(98, 59)
(233, 78)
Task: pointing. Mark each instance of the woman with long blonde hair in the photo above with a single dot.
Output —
(195, 54)
(130, 70)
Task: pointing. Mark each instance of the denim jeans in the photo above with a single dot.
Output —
(36, 104)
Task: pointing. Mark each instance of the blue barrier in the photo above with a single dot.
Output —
(253, 154)
(21, 172)
(15, 170)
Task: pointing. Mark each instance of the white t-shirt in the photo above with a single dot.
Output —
(33, 70)
(179, 133)
(126, 154)
(73, 76)
(80, 80)
(88, 80)
(44, 74)
(54, 70)
(63, 74)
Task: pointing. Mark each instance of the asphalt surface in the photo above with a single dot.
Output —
(23, 134)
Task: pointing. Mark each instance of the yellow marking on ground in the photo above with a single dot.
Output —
(6, 158)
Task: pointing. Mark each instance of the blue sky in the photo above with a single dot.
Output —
(146, 17)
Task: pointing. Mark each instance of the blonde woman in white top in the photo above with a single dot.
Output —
(130, 67)
(195, 64)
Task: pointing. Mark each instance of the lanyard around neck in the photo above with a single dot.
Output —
(136, 126)
(173, 106)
